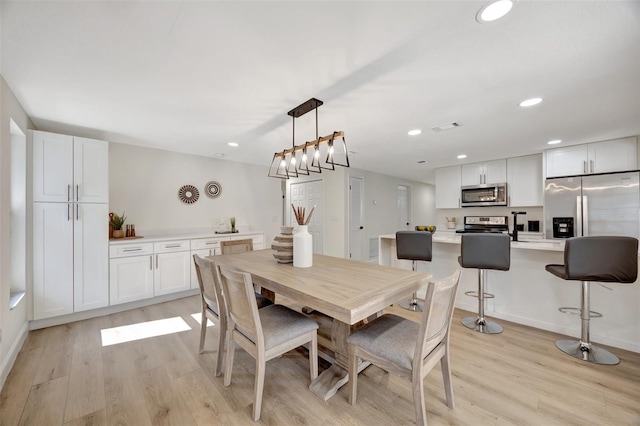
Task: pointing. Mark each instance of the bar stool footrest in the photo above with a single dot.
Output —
(587, 352)
(578, 311)
(475, 294)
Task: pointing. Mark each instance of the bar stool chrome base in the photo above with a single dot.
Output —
(482, 326)
(412, 305)
(587, 352)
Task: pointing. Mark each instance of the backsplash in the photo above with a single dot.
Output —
(533, 213)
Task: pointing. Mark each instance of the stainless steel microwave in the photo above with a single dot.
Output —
(484, 195)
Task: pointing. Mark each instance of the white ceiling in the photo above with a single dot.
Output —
(192, 76)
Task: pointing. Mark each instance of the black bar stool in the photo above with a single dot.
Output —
(484, 251)
(414, 246)
(594, 259)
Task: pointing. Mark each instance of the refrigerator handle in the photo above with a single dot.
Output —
(578, 230)
(585, 216)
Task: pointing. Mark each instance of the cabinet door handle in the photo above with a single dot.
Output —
(68, 192)
(591, 164)
(151, 263)
(77, 211)
(156, 261)
(68, 212)
(584, 166)
(132, 249)
(77, 192)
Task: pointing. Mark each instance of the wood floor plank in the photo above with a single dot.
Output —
(45, 405)
(16, 389)
(514, 378)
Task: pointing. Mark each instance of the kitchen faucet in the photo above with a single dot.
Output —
(515, 225)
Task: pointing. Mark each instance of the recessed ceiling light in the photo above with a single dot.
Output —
(421, 161)
(234, 144)
(494, 11)
(414, 132)
(530, 102)
(461, 156)
(352, 152)
(218, 154)
(554, 142)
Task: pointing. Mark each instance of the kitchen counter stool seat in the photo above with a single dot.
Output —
(594, 259)
(414, 246)
(484, 251)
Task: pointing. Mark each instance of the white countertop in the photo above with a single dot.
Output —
(529, 241)
(182, 234)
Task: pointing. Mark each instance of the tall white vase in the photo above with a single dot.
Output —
(302, 247)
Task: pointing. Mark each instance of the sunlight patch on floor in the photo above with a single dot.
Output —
(143, 330)
(198, 317)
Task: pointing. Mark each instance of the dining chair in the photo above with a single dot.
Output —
(407, 348)
(211, 296)
(265, 334)
(236, 246)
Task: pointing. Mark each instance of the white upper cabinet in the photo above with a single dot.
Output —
(52, 167)
(448, 187)
(524, 177)
(91, 170)
(599, 157)
(487, 172)
(67, 168)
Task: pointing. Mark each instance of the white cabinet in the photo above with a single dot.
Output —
(599, 157)
(131, 273)
(70, 224)
(524, 181)
(69, 169)
(448, 187)
(70, 258)
(91, 256)
(52, 260)
(488, 172)
(172, 272)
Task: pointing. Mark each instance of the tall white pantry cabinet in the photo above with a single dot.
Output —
(70, 224)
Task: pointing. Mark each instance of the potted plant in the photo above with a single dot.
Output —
(117, 222)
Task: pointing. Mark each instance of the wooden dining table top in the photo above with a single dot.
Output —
(344, 289)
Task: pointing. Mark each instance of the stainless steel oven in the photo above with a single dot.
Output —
(484, 195)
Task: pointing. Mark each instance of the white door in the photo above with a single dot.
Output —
(91, 170)
(403, 208)
(52, 259)
(52, 167)
(356, 220)
(307, 195)
(172, 273)
(91, 256)
(130, 278)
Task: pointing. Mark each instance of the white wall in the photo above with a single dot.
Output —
(13, 323)
(144, 183)
(379, 218)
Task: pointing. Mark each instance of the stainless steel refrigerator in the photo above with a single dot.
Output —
(592, 205)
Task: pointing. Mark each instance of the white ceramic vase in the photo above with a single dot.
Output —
(302, 247)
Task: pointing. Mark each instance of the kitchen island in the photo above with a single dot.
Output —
(528, 294)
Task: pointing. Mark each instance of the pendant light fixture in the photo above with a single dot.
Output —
(322, 153)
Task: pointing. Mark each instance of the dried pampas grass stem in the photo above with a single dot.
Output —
(300, 214)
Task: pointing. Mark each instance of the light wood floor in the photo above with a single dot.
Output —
(63, 375)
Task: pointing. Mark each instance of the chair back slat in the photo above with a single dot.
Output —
(209, 286)
(241, 302)
(236, 246)
(436, 317)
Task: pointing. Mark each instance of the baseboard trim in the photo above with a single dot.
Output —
(10, 359)
(79, 316)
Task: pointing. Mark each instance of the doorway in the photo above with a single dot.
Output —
(307, 195)
(403, 208)
(356, 219)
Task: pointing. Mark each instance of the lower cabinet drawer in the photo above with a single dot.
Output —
(125, 250)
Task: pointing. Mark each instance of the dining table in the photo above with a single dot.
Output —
(348, 291)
